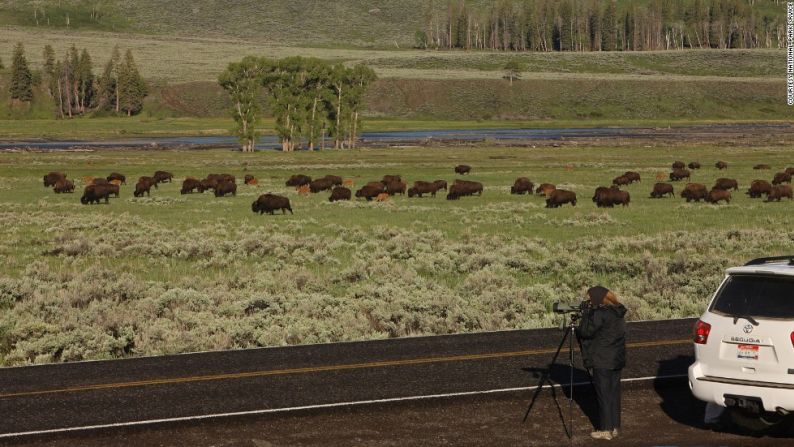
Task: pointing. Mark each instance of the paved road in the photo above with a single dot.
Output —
(55, 397)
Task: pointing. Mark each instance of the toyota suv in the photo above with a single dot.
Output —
(744, 344)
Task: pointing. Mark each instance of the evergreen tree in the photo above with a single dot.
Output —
(130, 86)
(49, 69)
(85, 79)
(609, 28)
(21, 88)
(106, 85)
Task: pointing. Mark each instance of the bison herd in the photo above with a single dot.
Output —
(99, 189)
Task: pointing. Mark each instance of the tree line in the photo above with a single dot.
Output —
(602, 25)
(70, 82)
(307, 97)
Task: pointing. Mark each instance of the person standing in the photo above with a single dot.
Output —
(602, 332)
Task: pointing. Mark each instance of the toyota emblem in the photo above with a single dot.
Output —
(748, 328)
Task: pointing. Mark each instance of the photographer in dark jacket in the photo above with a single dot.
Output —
(602, 332)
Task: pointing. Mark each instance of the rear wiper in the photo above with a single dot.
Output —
(744, 317)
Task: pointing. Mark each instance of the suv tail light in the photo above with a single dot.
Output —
(703, 329)
(792, 339)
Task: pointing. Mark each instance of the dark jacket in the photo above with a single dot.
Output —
(603, 335)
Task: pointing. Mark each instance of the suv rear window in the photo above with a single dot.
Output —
(756, 296)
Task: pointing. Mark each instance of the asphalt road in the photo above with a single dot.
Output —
(90, 394)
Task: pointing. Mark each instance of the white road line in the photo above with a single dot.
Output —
(307, 407)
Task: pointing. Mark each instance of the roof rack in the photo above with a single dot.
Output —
(762, 261)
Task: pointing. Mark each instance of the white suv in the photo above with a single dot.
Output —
(744, 344)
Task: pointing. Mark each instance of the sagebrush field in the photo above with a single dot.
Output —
(176, 273)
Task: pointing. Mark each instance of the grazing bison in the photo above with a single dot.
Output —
(421, 187)
(758, 188)
(522, 185)
(694, 191)
(321, 184)
(207, 184)
(462, 188)
(163, 177)
(778, 192)
(781, 177)
(250, 179)
(621, 181)
(117, 176)
(678, 165)
(334, 179)
(761, 167)
(721, 165)
(396, 187)
(370, 191)
(144, 185)
(462, 169)
(270, 203)
(680, 174)
(52, 178)
(63, 186)
(726, 184)
(95, 193)
(113, 188)
(225, 188)
(694, 165)
(633, 176)
(391, 178)
(340, 193)
(545, 189)
(560, 197)
(716, 195)
(662, 189)
(298, 180)
(189, 185)
(609, 197)
(442, 184)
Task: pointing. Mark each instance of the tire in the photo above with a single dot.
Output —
(755, 422)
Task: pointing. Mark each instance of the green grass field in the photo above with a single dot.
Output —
(174, 273)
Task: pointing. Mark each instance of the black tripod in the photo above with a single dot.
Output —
(569, 326)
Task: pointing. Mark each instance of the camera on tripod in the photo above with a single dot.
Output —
(574, 311)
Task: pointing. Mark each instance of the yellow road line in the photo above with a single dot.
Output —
(314, 369)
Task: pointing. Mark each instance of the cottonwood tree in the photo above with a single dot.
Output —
(513, 69)
(242, 80)
(21, 88)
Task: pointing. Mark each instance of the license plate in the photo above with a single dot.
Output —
(747, 352)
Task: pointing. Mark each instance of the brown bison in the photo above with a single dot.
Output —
(621, 181)
(694, 191)
(117, 176)
(99, 181)
(609, 197)
(270, 203)
(781, 177)
(52, 178)
(334, 179)
(762, 167)
(144, 185)
(721, 165)
(694, 165)
(758, 188)
(391, 178)
(462, 169)
(298, 180)
(522, 185)
(463, 188)
(726, 184)
(789, 171)
(340, 193)
(225, 188)
(63, 186)
(370, 191)
(421, 187)
(560, 197)
(250, 179)
(207, 184)
(442, 184)
(662, 189)
(321, 184)
(376, 185)
(545, 189)
(163, 177)
(113, 188)
(680, 174)
(778, 192)
(396, 187)
(189, 185)
(716, 195)
(633, 176)
(95, 193)
(678, 165)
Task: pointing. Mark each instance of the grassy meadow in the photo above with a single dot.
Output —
(176, 273)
